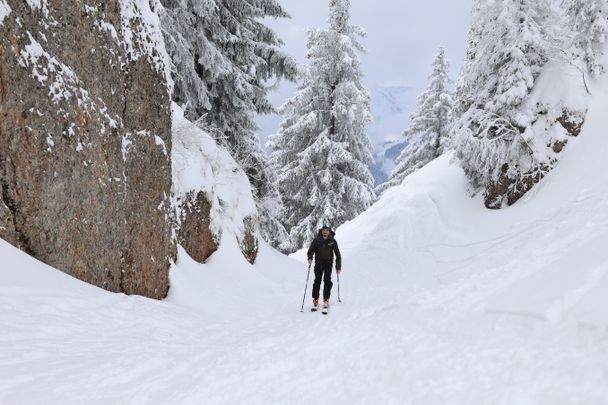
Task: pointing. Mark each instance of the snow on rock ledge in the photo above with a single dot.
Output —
(5, 10)
(559, 113)
(142, 34)
(213, 193)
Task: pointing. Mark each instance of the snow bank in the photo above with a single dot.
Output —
(21, 272)
(226, 285)
(560, 85)
(559, 110)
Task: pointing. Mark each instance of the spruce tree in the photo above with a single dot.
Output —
(494, 131)
(322, 149)
(589, 24)
(223, 56)
(429, 130)
(463, 96)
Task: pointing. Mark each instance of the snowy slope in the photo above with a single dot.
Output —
(66, 342)
(444, 302)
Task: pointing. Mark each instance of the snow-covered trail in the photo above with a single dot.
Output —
(443, 302)
(78, 344)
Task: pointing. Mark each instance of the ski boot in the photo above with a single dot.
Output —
(325, 307)
(315, 305)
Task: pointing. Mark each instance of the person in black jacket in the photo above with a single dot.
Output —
(324, 247)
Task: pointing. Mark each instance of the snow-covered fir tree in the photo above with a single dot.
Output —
(494, 135)
(322, 149)
(429, 130)
(589, 24)
(270, 209)
(223, 57)
(463, 94)
(185, 24)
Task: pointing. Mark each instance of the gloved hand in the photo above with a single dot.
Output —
(309, 261)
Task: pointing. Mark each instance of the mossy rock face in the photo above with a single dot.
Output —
(85, 146)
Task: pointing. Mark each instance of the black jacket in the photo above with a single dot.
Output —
(324, 249)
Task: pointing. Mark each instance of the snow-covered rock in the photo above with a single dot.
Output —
(559, 114)
(213, 193)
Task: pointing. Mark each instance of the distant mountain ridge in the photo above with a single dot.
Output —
(385, 155)
(391, 106)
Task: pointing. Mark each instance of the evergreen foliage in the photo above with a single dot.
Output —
(322, 150)
(589, 24)
(223, 57)
(508, 47)
(429, 130)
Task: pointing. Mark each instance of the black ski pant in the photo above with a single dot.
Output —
(322, 272)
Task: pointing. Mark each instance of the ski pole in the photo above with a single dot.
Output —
(305, 288)
(338, 274)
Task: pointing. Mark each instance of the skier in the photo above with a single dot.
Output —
(323, 247)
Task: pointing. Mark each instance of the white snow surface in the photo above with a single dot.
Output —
(5, 10)
(34, 4)
(444, 302)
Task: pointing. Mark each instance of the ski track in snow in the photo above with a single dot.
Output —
(444, 302)
(400, 335)
(69, 348)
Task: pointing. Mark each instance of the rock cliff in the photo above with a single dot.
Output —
(85, 140)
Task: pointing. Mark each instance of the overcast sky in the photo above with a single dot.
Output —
(403, 37)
